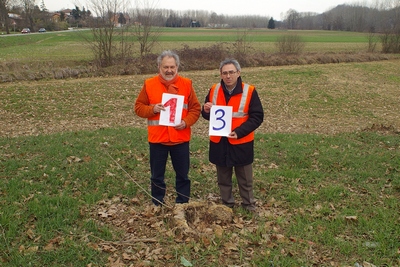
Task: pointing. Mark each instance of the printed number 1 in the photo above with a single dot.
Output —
(172, 104)
(220, 119)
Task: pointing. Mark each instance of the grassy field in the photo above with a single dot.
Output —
(74, 174)
(70, 46)
(60, 55)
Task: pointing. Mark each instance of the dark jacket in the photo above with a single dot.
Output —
(226, 154)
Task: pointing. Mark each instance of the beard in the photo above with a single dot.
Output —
(168, 75)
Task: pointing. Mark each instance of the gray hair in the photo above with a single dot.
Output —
(168, 53)
(230, 61)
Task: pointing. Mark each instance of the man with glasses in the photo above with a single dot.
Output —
(236, 151)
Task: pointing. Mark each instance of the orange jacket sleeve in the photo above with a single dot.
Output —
(142, 105)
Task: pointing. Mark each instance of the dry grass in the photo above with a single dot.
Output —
(326, 99)
(75, 59)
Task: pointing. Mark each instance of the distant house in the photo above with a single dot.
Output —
(67, 12)
(14, 20)
(118, 21)
(56, 16)
(14, 16)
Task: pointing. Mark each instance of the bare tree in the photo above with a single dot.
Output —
(28, 7)
(290, 44)
(4, 7)
(390, 38)
(242, 46)
(306, 20)
(327, 21)
(358, 18)
(146, 15)
(108, 43)
(292, 18)
(372, 40)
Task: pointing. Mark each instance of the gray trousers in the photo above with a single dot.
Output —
(244, 176)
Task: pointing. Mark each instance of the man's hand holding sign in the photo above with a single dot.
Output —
(221, 121)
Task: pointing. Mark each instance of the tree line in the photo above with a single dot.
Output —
(115, 27)
(382, 16)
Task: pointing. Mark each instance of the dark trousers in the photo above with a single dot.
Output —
(244, 176)
(180, 162)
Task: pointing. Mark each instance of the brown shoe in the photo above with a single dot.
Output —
(250, 208)
(229, 205)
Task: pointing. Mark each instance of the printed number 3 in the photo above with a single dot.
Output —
(220, 119)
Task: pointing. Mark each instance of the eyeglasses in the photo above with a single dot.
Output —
(231, 72)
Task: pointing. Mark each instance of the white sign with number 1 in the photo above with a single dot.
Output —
(173, 104)
(220, 120)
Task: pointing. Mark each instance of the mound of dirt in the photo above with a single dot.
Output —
(190, 216)
(193, 219)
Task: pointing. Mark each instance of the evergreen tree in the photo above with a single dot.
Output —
(76, 13)
(271, 23)
(121, 19)
(43, 6)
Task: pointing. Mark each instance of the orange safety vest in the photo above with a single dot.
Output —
(240, 105)
(161, 133)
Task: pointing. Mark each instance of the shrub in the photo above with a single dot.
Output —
(202, 58)
(390, 42)
(290, 44)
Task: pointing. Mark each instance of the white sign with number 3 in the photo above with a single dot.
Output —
(220, 120)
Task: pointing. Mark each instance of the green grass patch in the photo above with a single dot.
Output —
(48, 183)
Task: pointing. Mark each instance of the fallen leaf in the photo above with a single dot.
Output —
(185, 262)
(273, 166)
(351, 218)
(32, 249)
(73, 159)
(110, 174)
(49, 247)
(87, 158)
(126, 256)
(205, 241)
(367, 264)
(278, 237)
(135, 201)
(30, 233)
(231, 246)
(102, 214)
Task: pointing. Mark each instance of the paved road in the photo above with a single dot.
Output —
(49, 32)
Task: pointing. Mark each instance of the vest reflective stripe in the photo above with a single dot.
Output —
(243, 100)
(215, 95)
(239, 116)
(153, 122)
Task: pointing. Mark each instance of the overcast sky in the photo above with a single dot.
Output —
(227, 7)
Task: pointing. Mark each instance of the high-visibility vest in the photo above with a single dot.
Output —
(161, 133)
(240, 107)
